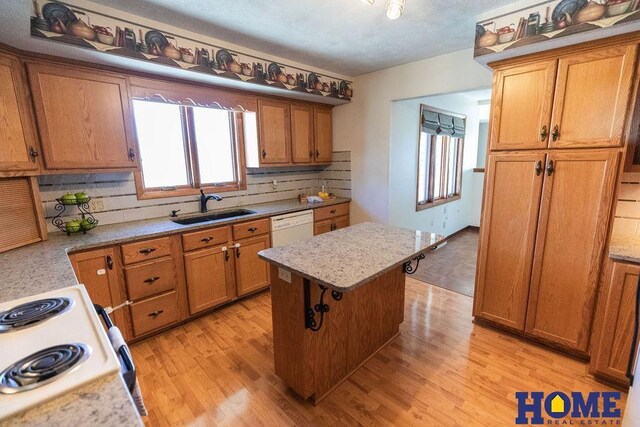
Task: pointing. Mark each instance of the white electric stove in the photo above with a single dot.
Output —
(50, 344)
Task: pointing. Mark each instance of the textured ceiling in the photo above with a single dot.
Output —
(344, 36)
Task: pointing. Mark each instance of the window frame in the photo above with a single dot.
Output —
(431, 200)
(193, 96)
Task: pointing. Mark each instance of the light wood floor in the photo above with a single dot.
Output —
(442, 370)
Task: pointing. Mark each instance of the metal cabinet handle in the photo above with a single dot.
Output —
(317, 154)
(237, 246)
(109, 262)
(550, 168)
(333, 211)
(147, 251)
(156, 313)
(150, 280)
(264, 154)
(132, 154)
(543, 133)
(555, 133)
(226, 254)
(253, 229)
(310, 154)
(634, 340)
(207, 239)
(33, 153)
(538, 167)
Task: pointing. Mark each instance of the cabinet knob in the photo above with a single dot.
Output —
(543, 133)
(207, 239)
(253, 229)
(555, 133)
(109, 262)
(333, 211)
(538, 167)
(264, 154)
(317, 154)
(150, 280)
(132, 154)
(550, 168)
(310, 154)
(147, 251)
(33, 153)
(156, 313)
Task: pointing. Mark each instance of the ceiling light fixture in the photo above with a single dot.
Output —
(369, 2)
(395, 8)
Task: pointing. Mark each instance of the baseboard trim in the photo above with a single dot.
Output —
(468, 227)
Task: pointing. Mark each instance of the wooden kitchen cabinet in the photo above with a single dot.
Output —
(323, 134)
(574, 218)
(327, 225)
(507, 235)
(83, 117)
(252, 273)
(100, 273)
(615, 317)
(19, 148)
(274, 132)
(521, 106)
(592, 97)
(210, 277)
(302, 148)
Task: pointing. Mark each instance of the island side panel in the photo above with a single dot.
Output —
(354, 329)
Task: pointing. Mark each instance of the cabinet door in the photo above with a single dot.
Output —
(341, 222)
(521, 106)
(321, 227)
(507, 232)
(274, 130)
(252, 273)
(83, 117)
(323, 134)
(574, 216)
(100, 272)
(592, 98)
(301, 133)
(209, 278)
(618, 296)
(16, 122)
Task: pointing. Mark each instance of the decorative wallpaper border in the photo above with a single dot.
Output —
(550, 20)
(70, 24)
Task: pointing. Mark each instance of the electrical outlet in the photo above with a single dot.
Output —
(96, 205)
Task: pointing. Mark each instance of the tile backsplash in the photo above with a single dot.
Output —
(627, 219)
(117, 191)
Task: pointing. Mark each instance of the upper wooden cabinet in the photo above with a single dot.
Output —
(507, 235)
(576, 101)
(522, 92)
(18, 147)
(323, 132)
(83, 117)
(302, 149)
(574, 218)
(274, 132)
(592, 98)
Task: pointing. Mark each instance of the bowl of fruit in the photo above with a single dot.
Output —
(506, 34)
(105, 36)
(617, 7)
(187, 55)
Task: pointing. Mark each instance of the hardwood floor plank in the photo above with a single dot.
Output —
(442, 370)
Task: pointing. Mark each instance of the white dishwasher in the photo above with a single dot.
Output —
(289, 228)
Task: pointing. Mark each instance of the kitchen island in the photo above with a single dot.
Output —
(337, 299)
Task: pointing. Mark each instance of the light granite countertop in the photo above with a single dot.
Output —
(625, 247)
(351, 257)
(45, 266)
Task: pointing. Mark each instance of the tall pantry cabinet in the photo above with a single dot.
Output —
(557, 132)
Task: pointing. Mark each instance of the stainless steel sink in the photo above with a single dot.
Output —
(214, 216)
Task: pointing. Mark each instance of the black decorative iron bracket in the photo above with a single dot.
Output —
(409, 269)
(321, 308)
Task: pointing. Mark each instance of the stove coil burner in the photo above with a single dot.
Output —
(31, 313)
(42, 367)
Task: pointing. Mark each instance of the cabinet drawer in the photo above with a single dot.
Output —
(143, 251)
(331, 211)
(150, 278)
(154, 313)
(206, 238)
(253, 228)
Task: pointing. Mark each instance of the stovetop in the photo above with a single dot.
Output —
(51, 344)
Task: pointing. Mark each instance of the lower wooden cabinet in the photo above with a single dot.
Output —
(330, 218)
(545, 289)
(615, 322)
(154, 313)
(252, 273)
(209, 275)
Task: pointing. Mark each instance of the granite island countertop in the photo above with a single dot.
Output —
(351, 257)
(45, 266)
(625, 247)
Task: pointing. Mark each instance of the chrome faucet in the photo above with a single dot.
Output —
(204, 199)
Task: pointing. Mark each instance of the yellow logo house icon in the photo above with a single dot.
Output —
(557, 404)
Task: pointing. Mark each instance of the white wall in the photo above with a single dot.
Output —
(363, 127)
(444, 219)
